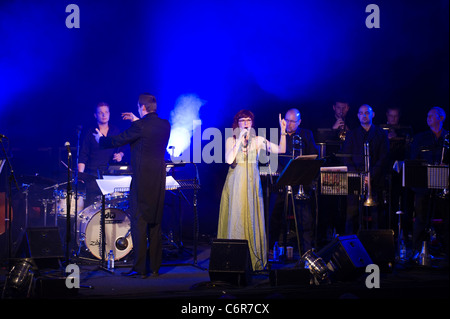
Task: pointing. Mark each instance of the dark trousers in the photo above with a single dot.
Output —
(147, 245)
(361, 217)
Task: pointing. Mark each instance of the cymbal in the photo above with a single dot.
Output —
(36, 179)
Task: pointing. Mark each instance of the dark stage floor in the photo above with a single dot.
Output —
(180, 280)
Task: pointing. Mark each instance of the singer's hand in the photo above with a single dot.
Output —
(129, 116)
(97, 135)
(242, 135)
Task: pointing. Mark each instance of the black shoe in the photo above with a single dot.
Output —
(155, 274)
(130, 273)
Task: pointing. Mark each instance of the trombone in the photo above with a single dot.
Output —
(297, 145)
(369, 202)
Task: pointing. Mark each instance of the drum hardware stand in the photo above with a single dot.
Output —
(8, 216)
(26, 192)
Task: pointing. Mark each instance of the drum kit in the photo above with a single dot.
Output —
(85, 219)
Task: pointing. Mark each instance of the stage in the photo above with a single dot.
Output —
(182, 279)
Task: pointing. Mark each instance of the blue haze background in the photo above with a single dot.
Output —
(266, 56)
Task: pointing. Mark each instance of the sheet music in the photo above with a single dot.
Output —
(171, 183)
(334, 169)
(306, 157)
(109, 183)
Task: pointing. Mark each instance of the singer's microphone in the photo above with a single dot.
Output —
(3, 136)
(67, 145)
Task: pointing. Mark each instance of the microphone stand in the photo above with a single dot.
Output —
(267, 203)
(69, 189)
(76, 183)
(8, 215)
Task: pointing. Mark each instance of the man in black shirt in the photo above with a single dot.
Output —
(429, 146)
(295, 134)
(379, 155)
(92, 158)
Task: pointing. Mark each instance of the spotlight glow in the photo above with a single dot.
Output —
(184, 119)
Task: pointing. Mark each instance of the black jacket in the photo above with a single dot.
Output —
(148, 138)
(378, 151)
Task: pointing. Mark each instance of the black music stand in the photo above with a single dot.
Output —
(193, 184)
(418, 175)
(297, 172)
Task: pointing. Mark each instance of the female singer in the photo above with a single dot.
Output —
(241, 213)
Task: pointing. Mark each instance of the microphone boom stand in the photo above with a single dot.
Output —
(68, 198)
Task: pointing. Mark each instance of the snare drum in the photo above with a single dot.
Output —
(117, 231)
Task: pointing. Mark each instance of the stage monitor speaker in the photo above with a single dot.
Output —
(230, 262)
(290, 276)
(346, 257)
(380, 246)
(43, 245)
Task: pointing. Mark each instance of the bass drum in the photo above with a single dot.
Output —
(117, 231)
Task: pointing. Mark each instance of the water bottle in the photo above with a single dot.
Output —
(111, 260)
(276, 251)
(402, 250)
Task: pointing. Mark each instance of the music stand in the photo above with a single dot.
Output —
(186, 184)
(417, 174)
(298, 171)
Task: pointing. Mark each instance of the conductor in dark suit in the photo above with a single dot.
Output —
(148, 138)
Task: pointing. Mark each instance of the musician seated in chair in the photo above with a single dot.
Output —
(295, 137)
(378, 153)
(430, 147)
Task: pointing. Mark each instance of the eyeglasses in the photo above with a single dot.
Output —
(290, 121)
(245, 120)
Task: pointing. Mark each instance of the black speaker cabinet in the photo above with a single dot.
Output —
(346, 256)
(290, 276)
(230, 262)
(43, 245)
(380, 246)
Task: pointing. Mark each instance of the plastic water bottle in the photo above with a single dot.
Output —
(110, 260)
(402, 250)
(276, 251)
